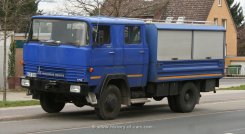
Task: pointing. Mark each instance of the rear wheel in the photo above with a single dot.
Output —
(109, 104)
(172, 103)
(188, 98)
(49, 104)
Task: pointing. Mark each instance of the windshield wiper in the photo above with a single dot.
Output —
(71, 43)
(51, 42)
(35, 40)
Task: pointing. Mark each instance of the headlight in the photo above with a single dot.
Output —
(32, 75)
(25, 83)
(75, 89)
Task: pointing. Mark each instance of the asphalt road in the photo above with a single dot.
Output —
(229, 122)
(220, 113)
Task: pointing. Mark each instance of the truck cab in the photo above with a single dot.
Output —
(73, 56)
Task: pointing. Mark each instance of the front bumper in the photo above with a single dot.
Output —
(61, 87)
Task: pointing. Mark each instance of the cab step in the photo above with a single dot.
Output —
(139, 100)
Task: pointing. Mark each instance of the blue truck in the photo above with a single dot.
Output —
(108, 62)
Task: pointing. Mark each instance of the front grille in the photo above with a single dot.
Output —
(56, 73)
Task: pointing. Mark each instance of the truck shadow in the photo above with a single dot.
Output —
(126, 112)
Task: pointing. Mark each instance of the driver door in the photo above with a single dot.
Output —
(103, 53)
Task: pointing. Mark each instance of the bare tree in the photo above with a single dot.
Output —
(6, 10)
(83, 7)
(133, 8)
(10, 12)
(116, 8)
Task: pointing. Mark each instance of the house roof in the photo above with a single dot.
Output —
(190, 9)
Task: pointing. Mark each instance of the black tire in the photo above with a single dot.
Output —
(50, 105)
(172, 103)
(138, 105)
(109, 104)
(158, 98)
(80, 102)
(187, 98)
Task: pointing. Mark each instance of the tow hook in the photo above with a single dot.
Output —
(91, 98)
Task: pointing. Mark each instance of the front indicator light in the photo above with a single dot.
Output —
(91, 70)
(21, 62)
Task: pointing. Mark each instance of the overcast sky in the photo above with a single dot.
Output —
(58, 5)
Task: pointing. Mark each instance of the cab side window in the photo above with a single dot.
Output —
(101, 35)
(132, 34)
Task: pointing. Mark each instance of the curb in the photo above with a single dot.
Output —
(19, 108)
(24, 117)
(18, 118)
(233, 78)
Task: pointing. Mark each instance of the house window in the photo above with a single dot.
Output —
(216, 21)
(132, 35)
(224, 23)
(219, 2)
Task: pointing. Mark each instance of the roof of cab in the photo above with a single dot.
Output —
(194, 27)
(95, 19)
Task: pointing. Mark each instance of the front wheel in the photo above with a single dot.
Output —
(158, 98)
(109, 104)
(49, 104)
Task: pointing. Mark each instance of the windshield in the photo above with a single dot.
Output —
(59, 32)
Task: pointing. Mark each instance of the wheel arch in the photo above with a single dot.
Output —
(121, 81)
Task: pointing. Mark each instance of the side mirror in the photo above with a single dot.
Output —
(25, 34)
(27, 30)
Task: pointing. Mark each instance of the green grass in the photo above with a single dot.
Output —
(242, 87)
(15, 90)
(18, 103)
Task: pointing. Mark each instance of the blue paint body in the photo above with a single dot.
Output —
(137, 61)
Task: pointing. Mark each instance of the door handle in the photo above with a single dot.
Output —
(141, 52)
(111, 52)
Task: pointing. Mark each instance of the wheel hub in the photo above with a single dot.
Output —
(187, 97)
